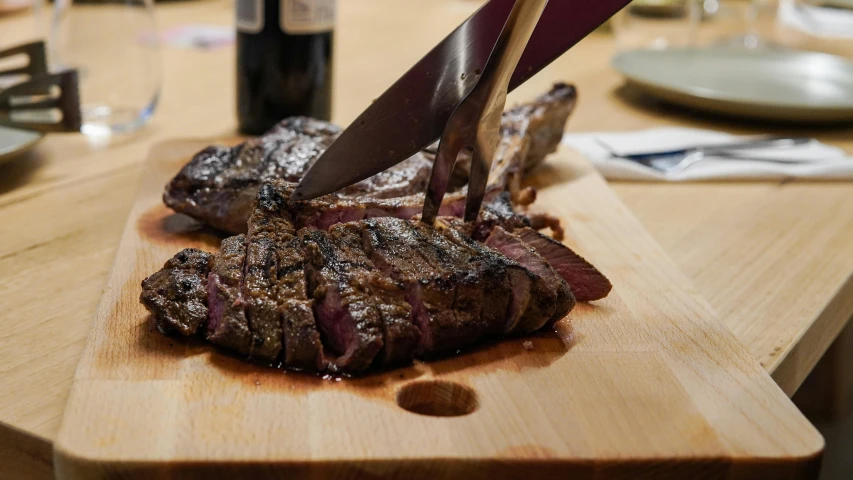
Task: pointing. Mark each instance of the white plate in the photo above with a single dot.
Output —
(792, 86)
(13, 142)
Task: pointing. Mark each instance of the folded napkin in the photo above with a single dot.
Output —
(813, 160)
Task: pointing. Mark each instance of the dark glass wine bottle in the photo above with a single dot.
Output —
(284, 61)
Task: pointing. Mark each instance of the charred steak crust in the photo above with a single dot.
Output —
(586, 281)
(219, 185)
(176, 296)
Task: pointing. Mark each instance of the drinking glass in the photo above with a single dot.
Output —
(114, 46)
(654, 24)
(818, 25)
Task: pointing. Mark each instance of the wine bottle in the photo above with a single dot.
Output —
(284, 61)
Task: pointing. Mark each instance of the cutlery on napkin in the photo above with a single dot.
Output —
(798, 159)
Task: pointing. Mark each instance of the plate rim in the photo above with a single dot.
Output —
(814, 112)
(22, 147)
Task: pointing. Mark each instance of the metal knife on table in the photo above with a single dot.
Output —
(414, 111)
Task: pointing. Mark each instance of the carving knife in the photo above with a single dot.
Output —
(413, 112)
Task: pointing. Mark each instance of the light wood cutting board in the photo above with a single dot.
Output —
(644, 384)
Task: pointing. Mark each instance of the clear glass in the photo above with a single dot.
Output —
(737, 23)
(818, 25)
(114, 46)
(654, 24)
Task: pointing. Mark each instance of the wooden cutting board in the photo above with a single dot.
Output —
(644, 384)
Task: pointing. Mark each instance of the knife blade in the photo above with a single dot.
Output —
(412, 113)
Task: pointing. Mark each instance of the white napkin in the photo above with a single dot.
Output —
(813, 160)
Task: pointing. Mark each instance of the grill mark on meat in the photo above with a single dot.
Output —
(586, 281)
(514, 247)
(271, 226)
(228, 326)
(514, 286)
(444, 293)
(399, 334)
(465, 272)
(344, 309)
(176, 296)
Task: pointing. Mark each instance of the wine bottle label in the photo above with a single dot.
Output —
(249, 15)
(300, 17)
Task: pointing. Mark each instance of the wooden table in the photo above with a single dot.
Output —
(774, 259)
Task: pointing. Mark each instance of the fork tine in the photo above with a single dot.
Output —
(448, 150)
(67, 102)
(481, 165)
(35, 52)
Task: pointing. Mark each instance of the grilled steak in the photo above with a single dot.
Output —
(586, 282)
(218, 186)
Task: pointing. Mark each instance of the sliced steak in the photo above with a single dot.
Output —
(176, 296)
(395, 248)
(400, 335)
(345, 311)
(586, 282)
(228, 326)
(514, 247)
(284, 309)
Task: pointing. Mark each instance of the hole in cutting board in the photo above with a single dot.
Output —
(437, 398)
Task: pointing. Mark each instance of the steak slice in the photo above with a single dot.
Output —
(345, 311)
(302, 346)
(176, 296)
(399, 334)
(586, 282)
(395, 249)
(228, 326)
(528, 302)
(286, 317)
(514, 247)
(465, 272)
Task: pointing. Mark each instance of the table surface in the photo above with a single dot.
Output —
(773, 259)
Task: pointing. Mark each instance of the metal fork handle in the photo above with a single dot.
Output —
(510, 46)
